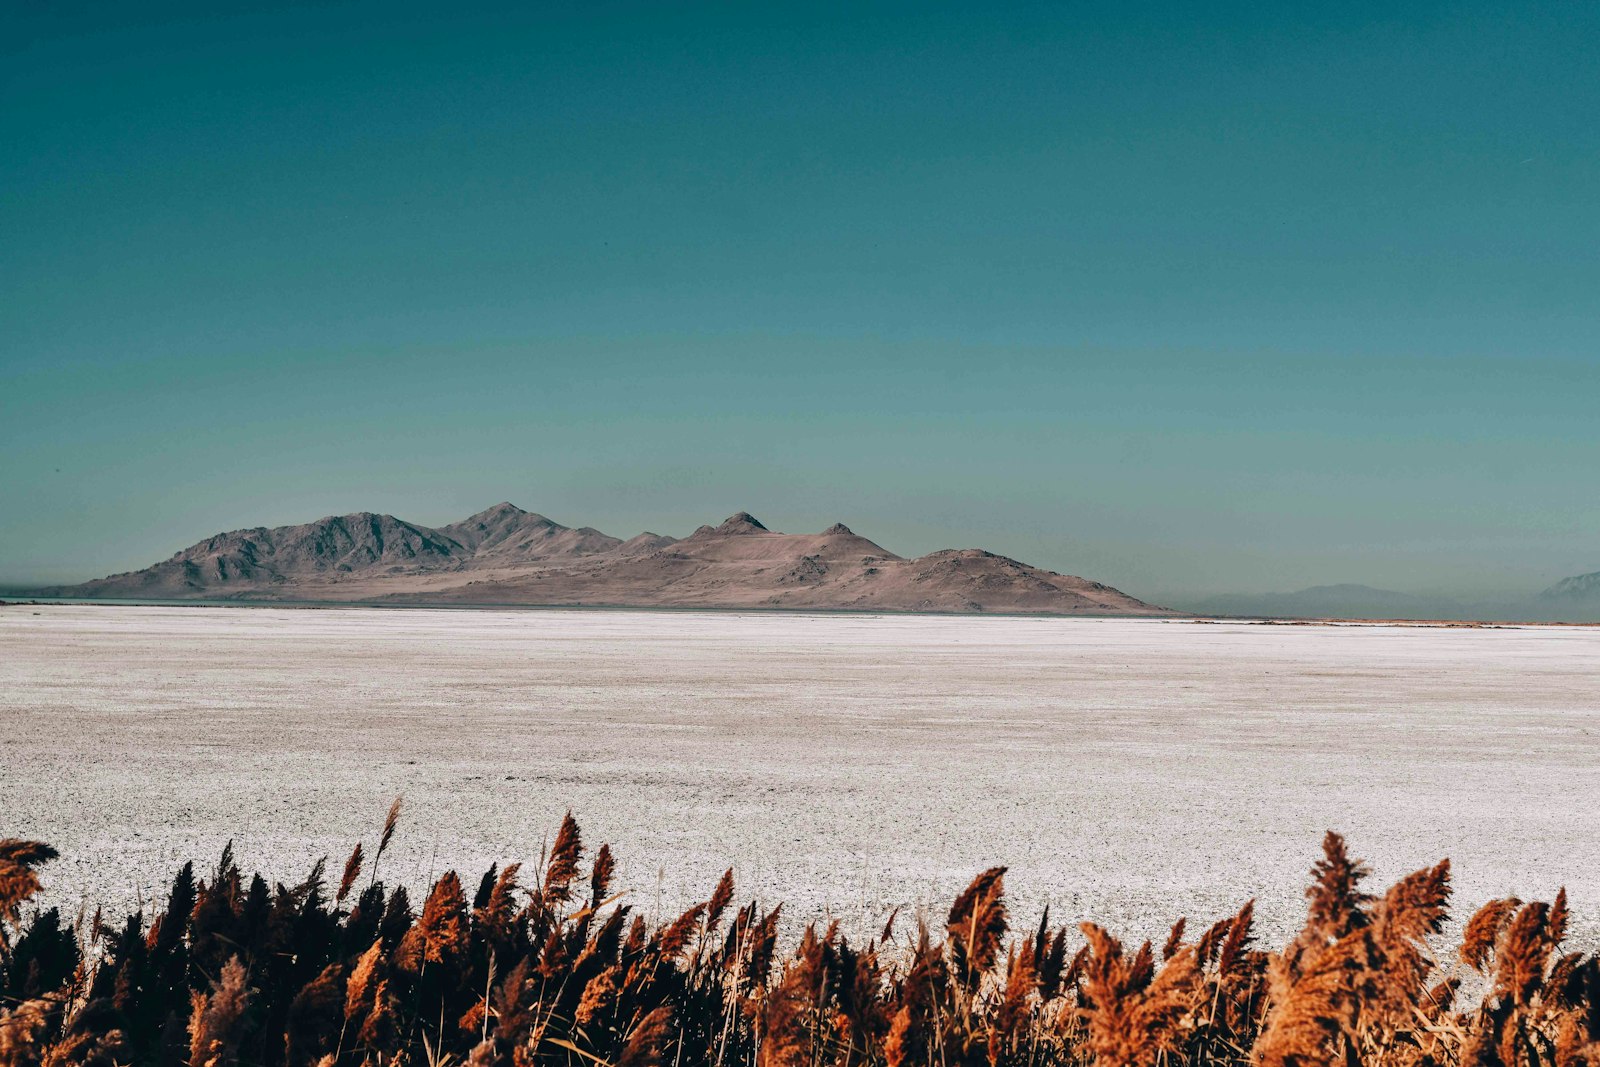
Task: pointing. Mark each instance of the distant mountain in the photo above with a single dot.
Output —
(1581, 589)
(265, 559)
(1345, 601)
(505, 555)
(1575, 599)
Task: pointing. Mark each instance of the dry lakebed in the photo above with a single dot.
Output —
(1126, 770)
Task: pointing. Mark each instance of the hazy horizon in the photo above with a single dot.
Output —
(1188, 301)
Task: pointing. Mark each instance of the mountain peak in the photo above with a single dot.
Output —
(840, 528)
(504, 509)
(1578, 587)
(741, 522)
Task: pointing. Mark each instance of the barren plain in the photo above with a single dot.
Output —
(1127, 770)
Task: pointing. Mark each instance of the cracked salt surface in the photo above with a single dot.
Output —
(1128, 771)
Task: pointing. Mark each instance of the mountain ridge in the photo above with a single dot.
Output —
(506, 555)
(1582, 588)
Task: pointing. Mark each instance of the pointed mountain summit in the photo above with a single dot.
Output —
(742, 522)
(505, 533)
(505, 555)
(505, 511)
(735, 525)
(644, 543)
(492, 524)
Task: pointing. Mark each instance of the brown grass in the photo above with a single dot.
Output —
(553, 971)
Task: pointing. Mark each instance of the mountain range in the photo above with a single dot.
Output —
(505, 555)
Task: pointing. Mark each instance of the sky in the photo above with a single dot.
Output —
(1187, 298)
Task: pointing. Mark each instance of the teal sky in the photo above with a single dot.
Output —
(1184, 297)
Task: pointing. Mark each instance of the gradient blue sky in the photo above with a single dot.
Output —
(1184, 297)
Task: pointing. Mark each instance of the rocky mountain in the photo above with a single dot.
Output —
(505, 555)
(264, 559)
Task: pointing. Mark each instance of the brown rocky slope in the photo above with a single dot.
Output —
(505, 555)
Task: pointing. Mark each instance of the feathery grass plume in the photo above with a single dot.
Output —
(562, 867)
(1238, 939)
(1482, 932)
(1440, 996)
(786, 1030)
(600, 873)
(763, 944)
(721, 897)
(1174, 939)
(1336, 902)
(887, 933)
(312, 1023)
(859, 1003)
(977, 925)
(1312, 1007)
(1415, 906)
(1233, 975)
(380, 1030)
(1328, 996)
(441, 928)
(390, 822)
(397, 917)
(1016, 998)
(19, 880)
(648, 1044)
(216, 1023)
(23, 1030)
(352, 871)
(911, 1024)
(675, 938)
(93, 1038)
(1315, 1015)
(1209, 945)
(1555, 926)
(1561, 982)
(598, 996)
(496, 918)
(1134, 1015)
(1051, 964)
(360, 986)
(1524, 950)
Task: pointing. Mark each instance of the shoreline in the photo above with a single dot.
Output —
(23, 600)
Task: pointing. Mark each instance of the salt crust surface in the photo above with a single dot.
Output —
(1128, 771)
